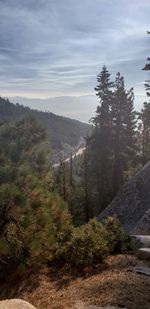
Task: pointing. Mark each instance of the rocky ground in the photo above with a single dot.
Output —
(115, 284)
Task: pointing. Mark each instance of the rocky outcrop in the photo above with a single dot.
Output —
(132, 203)
(15, 304)
(143, 226)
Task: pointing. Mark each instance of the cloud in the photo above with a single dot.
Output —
(58, 47)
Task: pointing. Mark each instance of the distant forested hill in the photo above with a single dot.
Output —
(60, 130)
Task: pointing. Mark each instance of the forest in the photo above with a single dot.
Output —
(48, 215)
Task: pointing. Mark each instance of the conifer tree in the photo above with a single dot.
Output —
(144, 116)
(123, 131)
(86, 185)
(100, 141)
(147, 68)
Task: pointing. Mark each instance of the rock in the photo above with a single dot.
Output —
(143, 225)
(143, 241)
(142, 270)
(143, 253)
(132, 203)
(15, 304)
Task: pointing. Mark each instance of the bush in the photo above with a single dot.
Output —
(117, 240)
(89, 244)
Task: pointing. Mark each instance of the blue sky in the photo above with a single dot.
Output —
(57, 47)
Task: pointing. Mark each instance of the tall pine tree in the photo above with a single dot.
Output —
(123, 131)
(100, 141)
(144, 117)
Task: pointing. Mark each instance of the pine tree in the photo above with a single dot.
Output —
(147, 68)
(86, 185)
(60, 179)
(144, 117)
(100, 141)
(123, 131)
(71, 171)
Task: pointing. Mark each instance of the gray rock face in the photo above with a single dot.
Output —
(143, 225)
(15, 304)
(132, 203)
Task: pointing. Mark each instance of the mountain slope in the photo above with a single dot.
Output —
(60, 130)
(75, 107)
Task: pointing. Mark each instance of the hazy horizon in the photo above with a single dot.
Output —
(81, 108)
(56, 48)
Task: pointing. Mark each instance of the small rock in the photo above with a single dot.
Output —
(142, 270)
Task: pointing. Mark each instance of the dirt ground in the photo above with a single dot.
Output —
(115, 284)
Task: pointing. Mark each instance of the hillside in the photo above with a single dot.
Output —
(74, 107)
(61, 131)
(53, 288)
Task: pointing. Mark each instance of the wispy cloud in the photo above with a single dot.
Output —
(57, 47)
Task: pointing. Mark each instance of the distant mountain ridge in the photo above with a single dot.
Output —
(62, 132)
(81, 108)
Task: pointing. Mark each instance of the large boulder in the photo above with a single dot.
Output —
(15, 304)
(132, 203)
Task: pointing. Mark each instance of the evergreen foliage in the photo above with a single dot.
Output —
(147, 68)
(112, 146)
(144, 132)
(124, 131)
(60, 130)
(88, 245)
(31, 214)
(36, 203)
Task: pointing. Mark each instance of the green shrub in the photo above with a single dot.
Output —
(117, 240)
(89, 244)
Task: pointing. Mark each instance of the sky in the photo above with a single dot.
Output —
(54, 48)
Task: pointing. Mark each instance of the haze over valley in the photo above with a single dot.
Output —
(80, 108)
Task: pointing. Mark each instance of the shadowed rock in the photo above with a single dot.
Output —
(132, 203)
(144, 253)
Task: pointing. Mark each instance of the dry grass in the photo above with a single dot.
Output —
(114, 285)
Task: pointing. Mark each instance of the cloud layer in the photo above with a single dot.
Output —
(57, 47)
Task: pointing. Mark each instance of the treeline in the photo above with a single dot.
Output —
(32, 215)
(118, 146)
(36, 227)
(45, 212)
(61, 131)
